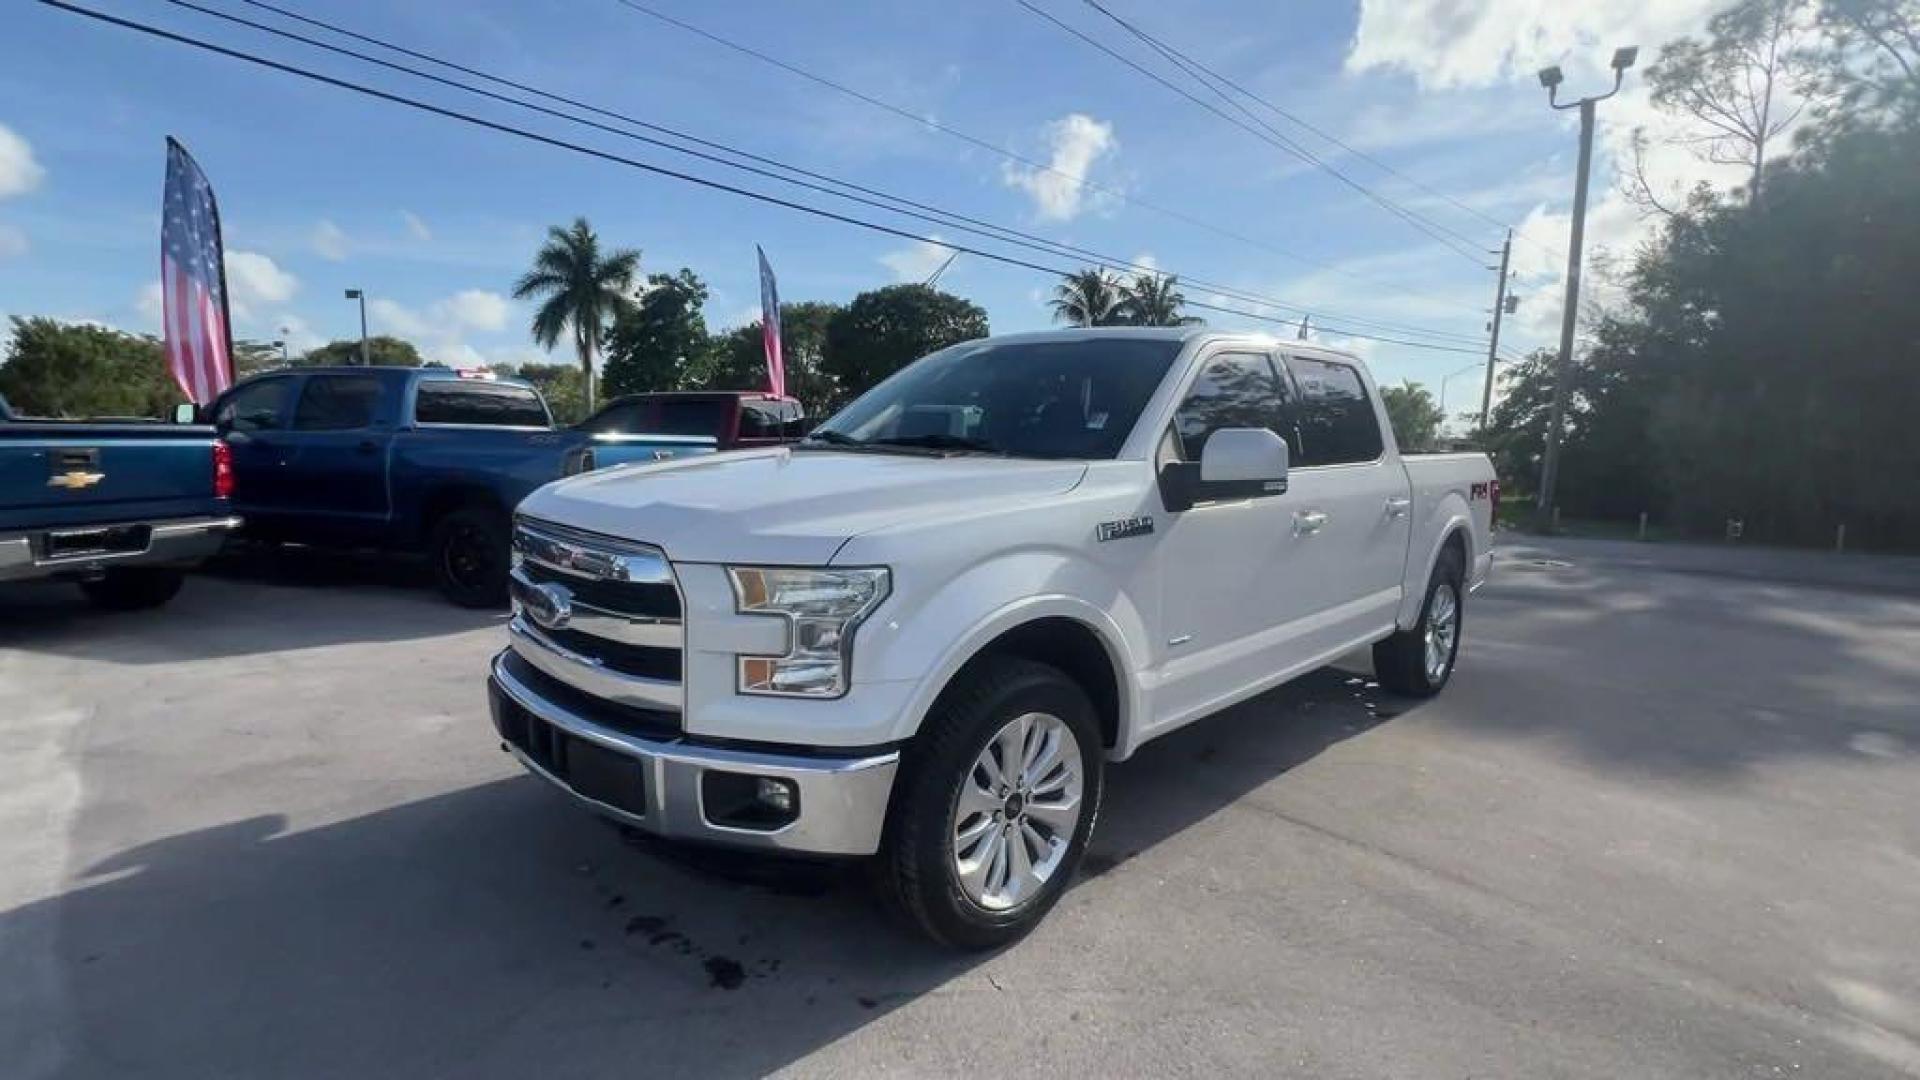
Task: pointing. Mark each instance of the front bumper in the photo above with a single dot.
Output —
(841, 801)
(177, 542)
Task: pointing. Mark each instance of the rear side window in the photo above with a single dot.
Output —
(260, 406)
(1234, 390)
(450, 401)
(761, 419)
(617, 418)
(1337, 421)
(337, 402)
(695, 417)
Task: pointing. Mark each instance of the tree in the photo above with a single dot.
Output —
(1090, 297)
(384, 350)
(560, 384)
(1415, 417)
(1740, 88)
(1153, 300)
(580, 290)
(661, 342)
(886, 329)
(75, 369)
(741, 359)
(1870, 67)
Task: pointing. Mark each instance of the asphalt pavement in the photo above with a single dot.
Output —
(1665, 822)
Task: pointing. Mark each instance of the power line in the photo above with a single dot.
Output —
(549, 140)
(1435, 231)
(1020, 159)
(920, 211)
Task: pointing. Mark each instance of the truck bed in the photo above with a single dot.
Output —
(57, 472)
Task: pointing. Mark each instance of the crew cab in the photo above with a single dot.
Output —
(413, 459)
(921, 633)
(121, 508)
(711, 420)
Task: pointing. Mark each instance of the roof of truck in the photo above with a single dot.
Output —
(1180, 334)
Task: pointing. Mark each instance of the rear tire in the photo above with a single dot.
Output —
(949, 860)
(1418, 661)
(134, 588)
(470, 549)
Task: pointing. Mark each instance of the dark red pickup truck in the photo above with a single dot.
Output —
(727, 419)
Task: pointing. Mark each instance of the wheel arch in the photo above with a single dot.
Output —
(1456, 529)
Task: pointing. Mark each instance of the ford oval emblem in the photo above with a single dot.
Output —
(548, 605)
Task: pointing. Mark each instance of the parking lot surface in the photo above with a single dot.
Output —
(1665, 822)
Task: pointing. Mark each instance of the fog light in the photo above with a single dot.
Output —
(747, 801)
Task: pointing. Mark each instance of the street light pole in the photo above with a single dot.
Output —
(1550, 78)
(366, 359)
(1493, 343)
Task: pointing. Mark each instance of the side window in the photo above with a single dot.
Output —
(694, 417)
(337, 402)
(617, 418)
(459, 401)
(260, 406)
(1337, 421)
(1234, 390)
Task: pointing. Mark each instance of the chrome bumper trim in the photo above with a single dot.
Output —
(180, 540)
(587, 674)
(843, 801)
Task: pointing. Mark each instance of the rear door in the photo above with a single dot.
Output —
(336, 468)
(1349, 504)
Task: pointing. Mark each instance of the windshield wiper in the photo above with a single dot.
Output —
(825, 438)
(951, 443)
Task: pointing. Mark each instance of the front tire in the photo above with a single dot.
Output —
(1418, 661)
(471, 555)
(995, 805)
(133, 588)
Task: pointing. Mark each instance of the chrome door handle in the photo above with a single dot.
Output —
(1398, 506)
(1308, 521)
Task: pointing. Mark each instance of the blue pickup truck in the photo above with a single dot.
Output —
(121, 508)
(428, 460)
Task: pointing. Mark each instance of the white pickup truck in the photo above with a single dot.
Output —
(921, 633)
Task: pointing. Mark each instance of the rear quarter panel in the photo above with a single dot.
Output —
(1451, 493)
(499, 464)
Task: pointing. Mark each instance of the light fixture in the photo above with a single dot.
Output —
(1624, 56)
(1550, 77)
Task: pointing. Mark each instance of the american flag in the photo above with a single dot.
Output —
(193, 282)
(770, 327)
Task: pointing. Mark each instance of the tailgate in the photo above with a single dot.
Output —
(53, 478)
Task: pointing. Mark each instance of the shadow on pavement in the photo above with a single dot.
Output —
(252, 600)
(499, 931)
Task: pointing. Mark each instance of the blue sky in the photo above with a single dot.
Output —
(323, 190)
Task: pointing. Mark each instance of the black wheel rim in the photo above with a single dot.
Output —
(467, 558)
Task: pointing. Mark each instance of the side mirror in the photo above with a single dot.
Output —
(185, 413)
(1238, 463)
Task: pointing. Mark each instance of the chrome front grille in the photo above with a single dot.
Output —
(600, 614)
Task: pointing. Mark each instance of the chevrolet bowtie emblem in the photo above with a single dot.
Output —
(75, 481)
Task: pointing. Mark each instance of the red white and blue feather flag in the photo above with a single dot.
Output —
(193, 282)
(770, 327)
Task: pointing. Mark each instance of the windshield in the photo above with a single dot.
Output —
(1041, 399)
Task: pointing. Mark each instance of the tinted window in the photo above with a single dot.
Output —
(259, 406)
(1048, 399)
(1234, 390)
(1337, 422)
(451, 401)
(337, 402)
(625, 418)
(684, 416)
(768, 419)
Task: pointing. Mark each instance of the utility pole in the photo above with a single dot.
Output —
(1550, 78)
(1493, 343)
(366, 358)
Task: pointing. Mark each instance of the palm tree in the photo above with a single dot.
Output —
(581, 291)
(1088, 298)
(1154, 300)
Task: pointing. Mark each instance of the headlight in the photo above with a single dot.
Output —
(823, 608)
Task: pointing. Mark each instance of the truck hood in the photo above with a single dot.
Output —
(783, 506)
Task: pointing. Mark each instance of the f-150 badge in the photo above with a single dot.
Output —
(1125, 527)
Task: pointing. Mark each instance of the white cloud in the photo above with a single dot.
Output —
(255, 278)
(13, 241)
(1076, 143)
(1456, 43)
(915, 262)
(477, 309)
(19, 173)
(329, 242)
(299, 336)
(147, 302)
(416, 228)
(441, 328)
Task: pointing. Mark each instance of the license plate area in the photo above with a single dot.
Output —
(94, 542)
(590, 769)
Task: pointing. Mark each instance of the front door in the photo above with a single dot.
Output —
(1228, 591)
(252, 418)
